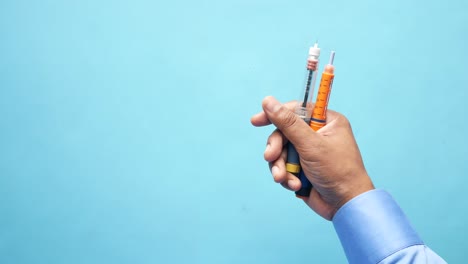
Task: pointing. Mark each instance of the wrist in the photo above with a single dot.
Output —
(355, 189)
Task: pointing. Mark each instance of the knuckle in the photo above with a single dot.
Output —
(278, 179)
(288, 118)
(272, 136)
(343, 120)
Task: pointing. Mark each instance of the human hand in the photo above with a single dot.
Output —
(330, 157)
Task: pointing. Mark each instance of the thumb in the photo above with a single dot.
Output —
(292, 126)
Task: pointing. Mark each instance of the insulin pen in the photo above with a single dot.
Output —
(303, 110)
(319, 115)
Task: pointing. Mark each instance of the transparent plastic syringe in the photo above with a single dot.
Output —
(303, 108)
(304, 111)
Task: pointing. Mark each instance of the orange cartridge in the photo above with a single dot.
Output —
(319, 114)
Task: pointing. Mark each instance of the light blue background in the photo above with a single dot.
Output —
(125, 134)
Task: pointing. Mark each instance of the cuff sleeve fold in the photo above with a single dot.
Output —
(372, 227)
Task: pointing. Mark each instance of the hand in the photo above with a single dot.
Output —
(330, 157)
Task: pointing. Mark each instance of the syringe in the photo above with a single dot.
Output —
(303, 110)
(319, 115)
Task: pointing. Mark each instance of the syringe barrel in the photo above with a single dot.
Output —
(304, 103)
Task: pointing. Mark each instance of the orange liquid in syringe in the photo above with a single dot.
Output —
(319, 114)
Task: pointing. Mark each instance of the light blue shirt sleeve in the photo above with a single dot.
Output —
(373, 229)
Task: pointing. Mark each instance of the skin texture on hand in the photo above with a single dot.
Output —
(330, 157)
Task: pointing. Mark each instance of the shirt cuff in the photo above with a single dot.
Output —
(372, 226)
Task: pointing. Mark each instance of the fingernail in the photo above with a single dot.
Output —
(274, 171)
(272, 105)
(266, 151)
(292, 184)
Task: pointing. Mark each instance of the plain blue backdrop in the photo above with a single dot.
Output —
(125, 133)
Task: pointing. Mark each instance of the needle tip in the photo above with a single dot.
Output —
(332, 57)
